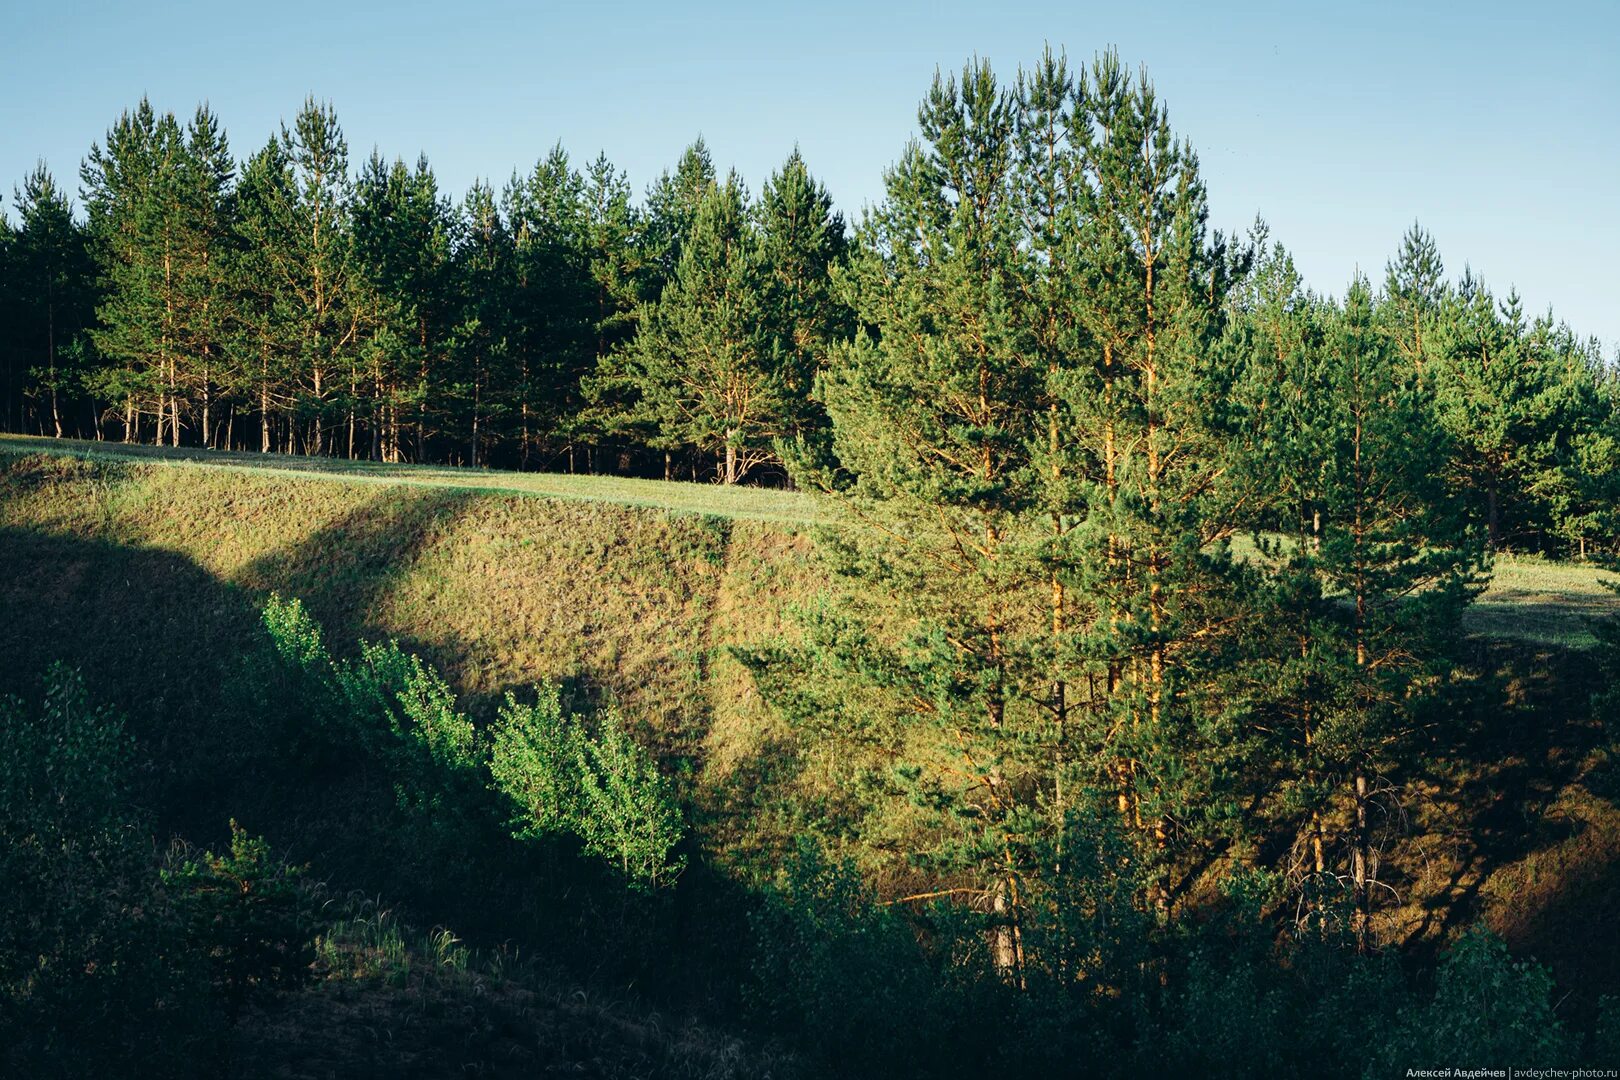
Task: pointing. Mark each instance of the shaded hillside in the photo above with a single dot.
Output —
(149, 577)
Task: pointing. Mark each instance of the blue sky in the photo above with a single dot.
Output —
(1496, 125)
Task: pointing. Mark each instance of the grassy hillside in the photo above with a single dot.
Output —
(146, 569)
(500, 590)
(149, 576)
(1529, 599)
(754, 504)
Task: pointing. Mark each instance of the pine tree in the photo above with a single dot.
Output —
(1576, 488)
(703, 370)
(404, 241)
(160, 210)
(801, 240)
(10, 391)
(932, 406)
(1395, 564)
(481, 343)
(1414, 290)
(383, 308)
(1149, 415)
(206, 179)
(314, 262)
(135, 201)
(615, 263)
(1488, 397)
(671, 208)
(261, 341)
(554, 334)
(50, 286)
(1279, 332)
(616, 269)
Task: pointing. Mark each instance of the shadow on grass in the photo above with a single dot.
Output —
(1497, 805)
(167, 642)
(1540, 618)
(345, 570)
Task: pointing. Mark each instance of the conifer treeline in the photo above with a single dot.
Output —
(1164, 548)
(290, 302)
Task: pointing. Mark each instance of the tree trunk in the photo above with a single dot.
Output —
(50, 352)
(1360, 868)
(1493, 532)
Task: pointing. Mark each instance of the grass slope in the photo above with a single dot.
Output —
(142, 570)
(1529, 599)
(755, 504)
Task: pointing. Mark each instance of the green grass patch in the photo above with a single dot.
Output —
(1549, 603)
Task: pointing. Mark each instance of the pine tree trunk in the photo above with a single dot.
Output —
(1492, 516)
(1360, 869)
(472, 443)
(264, 397)
(731, 463)
(174, 407)
(1362, 858)
(50, 354)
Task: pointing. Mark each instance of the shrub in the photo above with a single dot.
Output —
(248, 912)
(627, 811)
(603, 788)
(1486, 1007)
(95, 976)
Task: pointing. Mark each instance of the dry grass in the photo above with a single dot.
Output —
(758, 504)
(137, 569)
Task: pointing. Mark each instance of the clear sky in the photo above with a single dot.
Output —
(1497, 125)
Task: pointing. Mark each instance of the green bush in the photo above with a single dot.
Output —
(248, 912)
(848, 975)
(561, 777)
(386, 709)
(627, 810)
(96, 977)
(533, 750)
(1488, 1008)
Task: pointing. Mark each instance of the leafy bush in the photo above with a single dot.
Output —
(848, 975)
(533, 754)
(627, 811)
(1486, 1007)
(408, 715)
(385, 708)
(95, 975)
(601, 787)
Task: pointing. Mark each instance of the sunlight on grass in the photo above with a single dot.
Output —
(1538, 600)
(1529, 599)
(759, 504)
